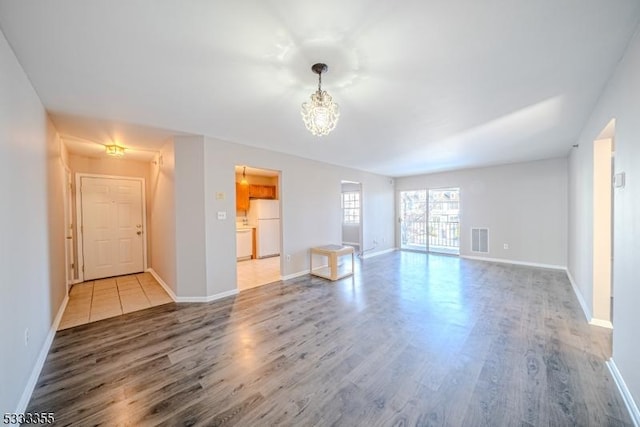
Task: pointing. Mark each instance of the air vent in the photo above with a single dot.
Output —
(480, 240)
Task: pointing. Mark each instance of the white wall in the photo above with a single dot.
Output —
(621, 101)
(191, 271)
(310, 198)
(32, 281)
(522, 204)
(162, 216)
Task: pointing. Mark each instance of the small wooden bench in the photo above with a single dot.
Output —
(332, 270)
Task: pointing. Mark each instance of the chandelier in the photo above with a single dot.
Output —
(321, 114)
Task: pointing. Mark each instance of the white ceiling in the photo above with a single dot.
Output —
(423, 85)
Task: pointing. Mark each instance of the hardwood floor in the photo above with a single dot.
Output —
(411, 339)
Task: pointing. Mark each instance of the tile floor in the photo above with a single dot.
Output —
(99, 299)
(257, 272)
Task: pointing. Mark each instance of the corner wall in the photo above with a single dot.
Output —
(162, 215)
(619, 101)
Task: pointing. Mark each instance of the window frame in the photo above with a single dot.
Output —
(351, 207)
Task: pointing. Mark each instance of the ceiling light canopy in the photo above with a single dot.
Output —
(114, 150)
(321, 114)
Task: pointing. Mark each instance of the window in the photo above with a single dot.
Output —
(351, 207)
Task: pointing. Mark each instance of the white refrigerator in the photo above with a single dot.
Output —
(265, 214)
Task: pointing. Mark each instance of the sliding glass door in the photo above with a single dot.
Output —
(430, 220)
(413, 220)
(444, 221)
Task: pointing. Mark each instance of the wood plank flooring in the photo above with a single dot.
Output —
(410, 340)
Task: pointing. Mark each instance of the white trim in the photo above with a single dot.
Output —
(351, 243)
(601, 323)
(67, 194)
(624, 391)
(295, 275)
(42, 357)
(162, 283)
(372, 254)
(209, 298)
(583, 303)
(585, 308)
(79, 221)
(190, 299)
(509, 261)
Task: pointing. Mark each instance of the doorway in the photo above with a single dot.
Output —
(258, 226)
(112, 238)
(430, 220)
(603, 161)
(351, 205)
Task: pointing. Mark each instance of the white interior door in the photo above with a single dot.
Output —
(112, 227)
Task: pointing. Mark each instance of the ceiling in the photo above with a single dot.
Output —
(423, 86)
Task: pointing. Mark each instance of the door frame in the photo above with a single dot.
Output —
(80, 221)
(69, 227)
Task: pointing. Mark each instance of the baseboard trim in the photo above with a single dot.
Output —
(509, 261)
(295, 275)
(162, 283)
(176, 298)
(624, 391)
(583, 304)
(601, 323)
(585, 309)
(208, 298)
(373, 254)
(42, 357)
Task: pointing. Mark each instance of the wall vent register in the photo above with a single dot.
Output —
(480, 240)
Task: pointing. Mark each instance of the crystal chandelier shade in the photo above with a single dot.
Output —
(321, 114)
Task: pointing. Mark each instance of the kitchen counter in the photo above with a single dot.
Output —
(244, 227)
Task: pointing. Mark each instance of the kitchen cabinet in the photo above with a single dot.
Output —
(262, 191)
(242, 197)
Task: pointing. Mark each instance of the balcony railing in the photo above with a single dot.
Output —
(443, 236)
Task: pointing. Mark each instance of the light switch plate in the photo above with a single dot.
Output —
(220, 195)
(222, 215)
(618, 180)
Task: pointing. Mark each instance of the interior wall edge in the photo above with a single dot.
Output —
(162, 283)
(634, 412)
(42, 357)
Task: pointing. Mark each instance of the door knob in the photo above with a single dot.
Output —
(139, 232)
